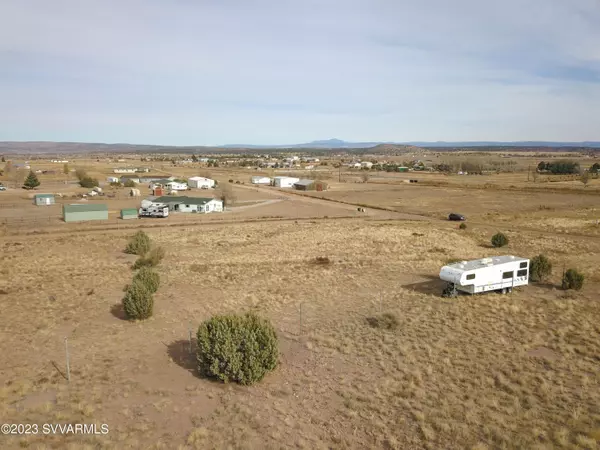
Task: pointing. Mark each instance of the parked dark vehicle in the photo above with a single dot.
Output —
(454, 216)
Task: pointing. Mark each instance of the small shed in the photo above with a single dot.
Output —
(129, 213)
(158, 191)
(83, 213)
(310, 185)
(43, 199)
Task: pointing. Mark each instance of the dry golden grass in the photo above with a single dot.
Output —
(479, 372)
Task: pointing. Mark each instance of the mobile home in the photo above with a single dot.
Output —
(201, 182)
(500, 273)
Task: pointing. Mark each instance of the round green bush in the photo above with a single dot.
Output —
(540, 268)
(148, 278)
(138, 302)
(572, 279)
(237, 348)
(139, 244)
(499, 240)
(463, 226)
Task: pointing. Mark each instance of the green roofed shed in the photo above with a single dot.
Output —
(44, 199)
(129, 213)
(83, 213)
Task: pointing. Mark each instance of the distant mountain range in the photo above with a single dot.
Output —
(38, 147)
(337, 143)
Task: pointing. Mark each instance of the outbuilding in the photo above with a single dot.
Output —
(83, 213)
(129, 213)
(190, 204)
(284, 182)
(201, 183)
(310, 185)
(112, 179)
(44, 199)
(261, 180)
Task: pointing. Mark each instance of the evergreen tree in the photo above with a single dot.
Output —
(31, 181)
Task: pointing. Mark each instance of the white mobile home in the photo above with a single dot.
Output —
(189, 204)
(201, 183)
(261, 180)
(284, 182)
(500, 273)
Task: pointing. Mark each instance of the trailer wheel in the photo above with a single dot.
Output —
(503, 291)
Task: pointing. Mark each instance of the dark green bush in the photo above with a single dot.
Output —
(540, 268)
(88, 182)
(148, 278)
(151, 259)
(572, 279)
(499, 240)
(387, 321)
(129, 184)
(237, 348)
(139, 244)
(463, 226)
(138, 303)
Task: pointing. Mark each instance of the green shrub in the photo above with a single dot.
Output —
(148, 278)
(138, 302)
(462, 226)
(387, 321)
(237, 348)
(572, 279)
(139, 244)
(129, 183)
(151, 259)
(499, 240)
(88, 182)
(540, 268)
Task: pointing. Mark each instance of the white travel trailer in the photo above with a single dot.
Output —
(500, 273)
(149, 209)
(261, 180)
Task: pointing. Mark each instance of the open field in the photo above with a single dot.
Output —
(484, 372)
(489, 371)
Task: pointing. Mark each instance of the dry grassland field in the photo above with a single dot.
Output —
(517, 371)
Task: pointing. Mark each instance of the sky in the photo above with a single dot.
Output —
(194, 72)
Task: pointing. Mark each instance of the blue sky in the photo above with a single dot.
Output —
(192, 72)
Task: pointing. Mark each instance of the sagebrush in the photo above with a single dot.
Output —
(138, 302)
(139, 244)
(151, 259)
(386, 321)
(148, 278)
(239, 348)
(572, 279)
(499, 240)
(540, 268)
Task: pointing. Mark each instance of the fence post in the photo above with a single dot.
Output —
(190, 338)
(67, 358)
(300, 319)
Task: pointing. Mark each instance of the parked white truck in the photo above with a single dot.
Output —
(500, 273)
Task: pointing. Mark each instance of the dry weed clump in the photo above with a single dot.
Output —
(385, 321)
(139, 244)
(322, 261)
(151, 259)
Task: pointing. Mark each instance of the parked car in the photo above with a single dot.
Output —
(455, 216)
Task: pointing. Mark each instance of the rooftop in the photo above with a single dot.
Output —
(44, 195)
(85, 207)
(305, 182)
(183, 200)
(485, 262)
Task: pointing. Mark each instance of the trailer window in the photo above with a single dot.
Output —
(506, 275)
(471, 276)
(522, 273)
(523, 265)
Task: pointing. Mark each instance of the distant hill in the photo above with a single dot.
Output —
(338, 143)
(56, 148)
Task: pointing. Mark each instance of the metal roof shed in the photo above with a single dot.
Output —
(129, 213)
(83, 213)
(43, 199)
